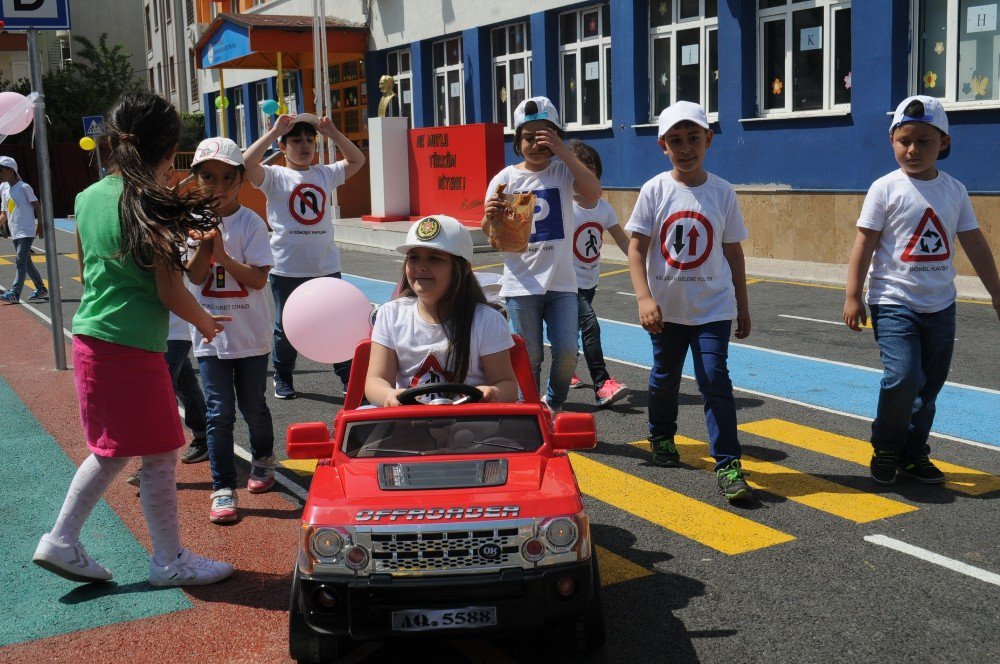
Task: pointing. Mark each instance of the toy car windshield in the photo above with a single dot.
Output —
(442, 435)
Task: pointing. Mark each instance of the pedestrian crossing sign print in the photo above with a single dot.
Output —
(929, 242)
(93, 125)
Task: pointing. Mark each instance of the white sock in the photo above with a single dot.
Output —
(158, 494)
(92, 479)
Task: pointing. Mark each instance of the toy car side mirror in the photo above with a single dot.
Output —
(310, 440)
(574, 431)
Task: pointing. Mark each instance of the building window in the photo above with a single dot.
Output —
(173, 75)
(263, 119)
(152, 80)
(168, 10)
(684, 54)
(149, 32)
(511, 70)
(957, 47)
(290, 92)
(240, 124)
(189, 12)
(585, 66)
(449, 82)
(803, 55)
(156, 14)
(193, 73)
(398, 66)
(65, 54)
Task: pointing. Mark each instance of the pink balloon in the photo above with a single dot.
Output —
(326, 318)
(16, 112)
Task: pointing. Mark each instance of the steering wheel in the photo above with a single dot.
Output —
(409, 397)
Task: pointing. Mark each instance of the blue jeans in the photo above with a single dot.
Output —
(283, 354)
(709, 349)
(229, 383)
(186, 386)
(559, 312)
(24, 266)
(590, 332)
(916, 353)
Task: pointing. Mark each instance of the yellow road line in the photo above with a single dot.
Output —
(803, 488)
(616, 569)
(484, 267)
(967, 480)
(711, 526)
(753, 281)
(4, 261)
(608, 274)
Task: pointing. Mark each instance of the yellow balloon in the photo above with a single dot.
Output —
(87, 143)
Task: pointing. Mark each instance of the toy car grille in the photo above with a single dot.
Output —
(416, 552)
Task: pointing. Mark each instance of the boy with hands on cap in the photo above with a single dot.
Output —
(298, 211)
(21, 215)
(688, 273)
(906, 234)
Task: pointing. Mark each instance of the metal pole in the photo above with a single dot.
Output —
(222, 104)
(45, 198)
(100, 167)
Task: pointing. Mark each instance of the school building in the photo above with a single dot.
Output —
(800, 92)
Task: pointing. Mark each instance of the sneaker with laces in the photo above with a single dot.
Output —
(883, 466)
(732, 484)
(922, 470)
(135, 478)
(39, 294)
(196, 452)
(610, 392)
(188, 569)
(261, 475)
(664, 451)
(575, 382)
(223, 508)
(283, 388)
(69, 561)
(10, 297)
(552, 411)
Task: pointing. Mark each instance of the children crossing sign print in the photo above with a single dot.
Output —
(686, 239)
(929, 243)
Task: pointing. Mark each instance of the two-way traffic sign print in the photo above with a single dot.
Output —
(686, 239)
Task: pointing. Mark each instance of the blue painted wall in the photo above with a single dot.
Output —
(830, 153)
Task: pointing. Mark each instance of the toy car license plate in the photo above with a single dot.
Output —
(422, 620)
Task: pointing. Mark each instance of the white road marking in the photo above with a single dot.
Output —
(936, 558)
(812, 320)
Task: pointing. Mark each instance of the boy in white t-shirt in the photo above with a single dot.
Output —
(21, 214)
(688, 273)
(228, 271)
(591, 223)
(298, 211)
(907, 232)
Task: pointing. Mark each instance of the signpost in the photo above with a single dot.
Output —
(93, 126)
(32, 15)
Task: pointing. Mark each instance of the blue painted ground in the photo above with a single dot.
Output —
(37, 603)
(811, 381)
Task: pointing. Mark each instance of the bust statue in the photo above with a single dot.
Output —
(387, 105)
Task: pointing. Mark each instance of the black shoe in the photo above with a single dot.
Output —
(664, 451)
(883, 466)
(196, 452)
(732, 485)
(922, 470)
(283, 387)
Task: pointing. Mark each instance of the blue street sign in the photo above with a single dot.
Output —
(35, 14)
(93, 125)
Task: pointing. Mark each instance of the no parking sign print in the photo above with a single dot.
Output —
(686, 239)
(307, 204)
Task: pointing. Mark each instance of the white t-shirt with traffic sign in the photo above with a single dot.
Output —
(588, 240)
(249, 333)
(16, 202)
(917, 221)
(547, 264)
(422, 348)
(687, 272)
(298, 210)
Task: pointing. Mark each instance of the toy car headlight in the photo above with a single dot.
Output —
(560, 533)
(327, 543)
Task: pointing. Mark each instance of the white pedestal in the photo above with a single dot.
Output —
(388, 156)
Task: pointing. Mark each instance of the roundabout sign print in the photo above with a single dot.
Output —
(686, 239)
(307, 204)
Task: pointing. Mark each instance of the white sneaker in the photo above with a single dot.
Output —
(69, 561)
(188, 569)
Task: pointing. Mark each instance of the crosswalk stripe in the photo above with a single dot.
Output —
(711, 526)
(803, 488)
(616, 569)
(967, 480)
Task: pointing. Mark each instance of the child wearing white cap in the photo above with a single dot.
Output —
(21, 214)
(688, 273)
(440, 329)
(906, 234)
(298, 211)
(540, 283)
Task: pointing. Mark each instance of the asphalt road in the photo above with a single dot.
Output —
(812, 570)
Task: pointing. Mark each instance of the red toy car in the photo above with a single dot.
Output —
(443, 519)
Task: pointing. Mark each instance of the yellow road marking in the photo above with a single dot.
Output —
(302, 467)
(77, 279)
(967, 480)
(73, 256)
(753, 281)
(815, 492)
(711, 526)
(616, 569)
(608, 274)
(37, 258)
(484, 267)
(4, 261)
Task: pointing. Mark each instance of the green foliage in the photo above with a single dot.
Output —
(192, 131)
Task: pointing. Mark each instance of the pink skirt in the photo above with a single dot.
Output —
(127, 404)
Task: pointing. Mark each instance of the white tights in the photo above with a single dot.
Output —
(158, 497)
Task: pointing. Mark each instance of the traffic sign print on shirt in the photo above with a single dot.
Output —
(307, 204)
(686, 239)
(929, 243)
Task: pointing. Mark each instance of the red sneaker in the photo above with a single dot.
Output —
(611, 392)
(575, 382)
